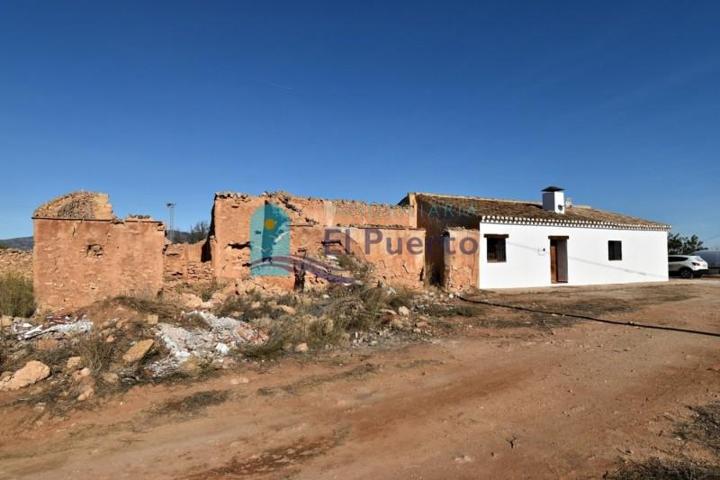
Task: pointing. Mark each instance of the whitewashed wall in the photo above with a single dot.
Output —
(644, 256)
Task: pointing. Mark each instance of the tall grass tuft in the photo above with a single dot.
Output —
(16, 296)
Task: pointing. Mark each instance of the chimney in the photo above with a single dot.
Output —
(553, 199)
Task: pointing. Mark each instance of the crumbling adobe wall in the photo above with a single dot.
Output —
(80, 259)
(309, 218)
(398, 258)
(183, 263)
(16, 262)
(461, 259)
(435, 218)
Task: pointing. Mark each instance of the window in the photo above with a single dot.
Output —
(496, 248)
(614, 250)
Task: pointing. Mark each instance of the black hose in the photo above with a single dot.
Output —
(593, 319)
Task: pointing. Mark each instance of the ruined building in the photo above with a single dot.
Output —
(83, 253)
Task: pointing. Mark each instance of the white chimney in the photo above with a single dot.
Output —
(553, 199)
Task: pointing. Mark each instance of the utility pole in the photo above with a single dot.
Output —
(171, 221)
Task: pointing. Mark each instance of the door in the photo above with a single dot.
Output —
(553, 261)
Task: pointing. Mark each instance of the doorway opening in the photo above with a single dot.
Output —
(558, 260)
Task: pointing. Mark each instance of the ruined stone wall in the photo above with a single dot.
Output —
(183, 263)
(461, 259)
(309, 218)
(77, 262)
(435, 218)
(398, 258)
(230, 236)
(16, 262)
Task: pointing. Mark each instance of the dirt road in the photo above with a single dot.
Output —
(507, 401)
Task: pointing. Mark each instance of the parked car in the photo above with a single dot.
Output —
(687, 266)
(712, 257)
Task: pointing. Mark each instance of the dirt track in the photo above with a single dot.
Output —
(523, 402)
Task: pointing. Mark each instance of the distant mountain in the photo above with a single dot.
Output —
(26, 243)
(20, 243)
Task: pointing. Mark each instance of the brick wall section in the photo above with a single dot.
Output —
(16, 262)
(461, 267)
(78, 262)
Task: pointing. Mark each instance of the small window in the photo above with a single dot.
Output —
(614, 250)
(496, 248)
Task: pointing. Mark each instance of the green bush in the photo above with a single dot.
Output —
(16, 296)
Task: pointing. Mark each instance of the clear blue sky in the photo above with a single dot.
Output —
(618, 102)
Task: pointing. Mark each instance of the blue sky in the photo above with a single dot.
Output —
(618, 102)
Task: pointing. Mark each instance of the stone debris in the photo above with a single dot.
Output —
(404, 311)
(31, 373)
(73, 363)
(223, 334)
(301, 348)
(54, 327)
(138, 351)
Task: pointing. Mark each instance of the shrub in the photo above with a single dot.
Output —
(16, 296)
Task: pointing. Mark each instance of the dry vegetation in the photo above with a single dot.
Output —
(16, 296)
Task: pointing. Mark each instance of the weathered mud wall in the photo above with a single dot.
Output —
(461, 259)
(183, 263)
(16, 262)
(232, 213)
(230, 239)
(435, 217)
(77, 262)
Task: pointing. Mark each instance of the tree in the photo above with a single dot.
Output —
(679, 245)
(198, 232)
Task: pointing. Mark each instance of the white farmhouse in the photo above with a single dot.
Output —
(536, 244)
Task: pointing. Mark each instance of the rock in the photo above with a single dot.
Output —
(301, 348)
(191, 300)
(287, 309)
(255, 305)
(86, 393)
(138, 351)
(73, 363)
(715, 368)
(398, 324)
(239, 381)
(31, 373)
(403, 310)
(110, 339)
(152, 319)
(85, 372)
(191, 367)
(463, 459)
(222, 349)
(6, 321)
(110, 377)
(422, 324)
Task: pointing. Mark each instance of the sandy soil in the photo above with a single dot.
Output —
(551, 398)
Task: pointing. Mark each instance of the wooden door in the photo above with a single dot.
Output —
(553, 261)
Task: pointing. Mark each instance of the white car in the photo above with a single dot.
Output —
(687, 266)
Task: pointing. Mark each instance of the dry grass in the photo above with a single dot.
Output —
(164, 310)
(97, 354)
(656, 469)
(704, 427)
(16, 296)
(331, 321)
(191, 404)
